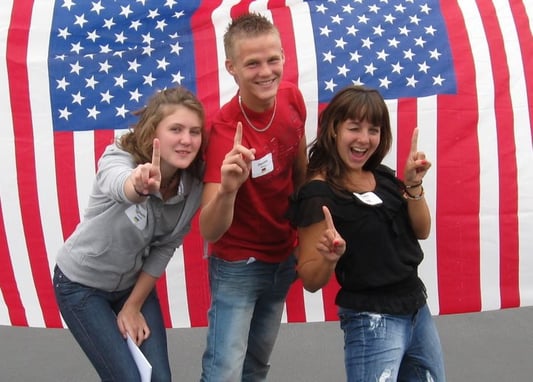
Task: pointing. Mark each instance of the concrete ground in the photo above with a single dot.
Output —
(480, 347)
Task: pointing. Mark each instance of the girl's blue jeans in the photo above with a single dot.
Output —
(90, 315)
(384, 347)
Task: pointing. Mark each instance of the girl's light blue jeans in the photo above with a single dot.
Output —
(384, 347)
(247, 301)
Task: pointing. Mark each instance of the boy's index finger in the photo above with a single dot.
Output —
(238, 135)
(414, 141)
(156, 154)
(329, 219)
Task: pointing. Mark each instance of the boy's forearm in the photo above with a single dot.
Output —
(216, 215)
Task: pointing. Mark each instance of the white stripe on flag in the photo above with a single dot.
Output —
(4, 314)
(523, 142)
(522, 135)
(220, 19)
(314, 306)
(307, 83)
(427, 142)
(85, 168)
(260, 6)
(43, 128)
(43, 138)
(284, 317)
(488, 157)
(305, 56)
(177, 291)
(391, 158)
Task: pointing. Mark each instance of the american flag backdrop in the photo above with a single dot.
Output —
(460, 70)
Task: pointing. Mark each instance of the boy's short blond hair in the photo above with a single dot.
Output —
(247, 25)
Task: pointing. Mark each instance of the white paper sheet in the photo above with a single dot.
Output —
(145, 369)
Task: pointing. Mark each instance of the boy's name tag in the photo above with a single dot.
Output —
(262, 166)
(369, 198)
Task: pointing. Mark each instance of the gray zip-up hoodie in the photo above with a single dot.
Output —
(116, 238)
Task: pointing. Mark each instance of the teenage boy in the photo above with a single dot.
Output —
(256, 158)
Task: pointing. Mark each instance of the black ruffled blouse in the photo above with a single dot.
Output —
(378, 271)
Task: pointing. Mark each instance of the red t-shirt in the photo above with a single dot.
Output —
(259, 228)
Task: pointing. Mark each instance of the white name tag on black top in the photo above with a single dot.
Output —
(369, 198)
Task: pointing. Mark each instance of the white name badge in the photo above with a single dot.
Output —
(369, 198)
(262, 166)
(137, 214)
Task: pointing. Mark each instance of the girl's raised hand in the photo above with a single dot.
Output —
(146, 177)
(331, 245)
(417, 165)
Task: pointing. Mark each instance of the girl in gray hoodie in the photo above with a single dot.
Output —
(146, 191)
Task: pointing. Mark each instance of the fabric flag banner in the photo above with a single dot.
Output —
(461, 70)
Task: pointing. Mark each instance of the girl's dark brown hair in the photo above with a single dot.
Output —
(139, 140)
(356, 103)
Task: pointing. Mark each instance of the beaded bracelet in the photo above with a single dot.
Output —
(413, 185)
(408, 196)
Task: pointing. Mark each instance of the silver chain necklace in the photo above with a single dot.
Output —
(250, 122)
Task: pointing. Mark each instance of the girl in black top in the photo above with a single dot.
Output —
(355, 218)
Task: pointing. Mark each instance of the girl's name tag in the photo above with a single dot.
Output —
(138, 215)
(369, 198)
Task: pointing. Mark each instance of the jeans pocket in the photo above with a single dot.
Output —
(363, 323)
(68, 292)
(59, 278)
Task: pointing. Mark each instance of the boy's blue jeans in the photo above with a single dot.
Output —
(384, 347)
(90, 314)
(247, 301)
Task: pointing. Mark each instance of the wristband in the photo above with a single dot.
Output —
(413, 185)
(409, 196)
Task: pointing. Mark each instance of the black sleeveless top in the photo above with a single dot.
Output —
(378, 271)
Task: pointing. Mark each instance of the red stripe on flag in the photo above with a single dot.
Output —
(17, 51)
(407, 121)
(507, 173)
(102, 139)
(329, 293)
(162, 293)
(282, 18)
(239, 9)
(67, 197)
(8, 284)
(205, 56)
(295, 303)
(196, 276)
(457, 221)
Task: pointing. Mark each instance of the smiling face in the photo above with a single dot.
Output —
(356, 142)
(180, 136)
(256, 63)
